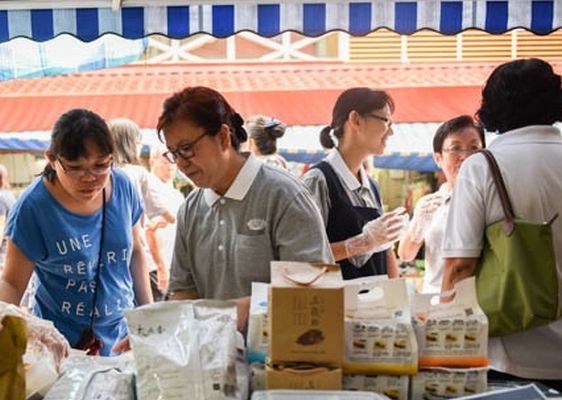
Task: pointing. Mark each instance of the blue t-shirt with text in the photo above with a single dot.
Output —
(64, 247)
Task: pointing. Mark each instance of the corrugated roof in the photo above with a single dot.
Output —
(296, 93)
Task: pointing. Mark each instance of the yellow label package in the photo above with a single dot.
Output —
(306, 313)
(451, 334)
(395, 387)
(379, 336)
(448, 382)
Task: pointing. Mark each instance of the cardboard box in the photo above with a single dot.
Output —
(306, 311)
(310, 377)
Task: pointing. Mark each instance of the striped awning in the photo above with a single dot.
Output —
(269, 18)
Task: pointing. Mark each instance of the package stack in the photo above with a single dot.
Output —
(306, 308)
(453, 342)
(381, 350)
(257, 339)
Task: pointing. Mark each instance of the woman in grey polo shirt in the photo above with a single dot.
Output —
(244, 214)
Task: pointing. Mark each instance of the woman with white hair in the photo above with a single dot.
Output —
(263, 133)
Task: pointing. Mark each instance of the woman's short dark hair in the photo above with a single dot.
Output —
(521, 93)
(71, 134)
(454, 125)
(206, 108)
(363, 100)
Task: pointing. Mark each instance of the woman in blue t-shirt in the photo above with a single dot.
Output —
(76, 226)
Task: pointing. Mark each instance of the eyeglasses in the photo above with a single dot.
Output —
(457, 150)
(185, 151)
(386, 120)
(77, 172)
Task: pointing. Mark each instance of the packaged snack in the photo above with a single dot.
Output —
(452, 334)
(395, 387)
(448, 382)
(379, 336)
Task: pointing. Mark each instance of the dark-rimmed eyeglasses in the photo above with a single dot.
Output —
(386, 120)
(184, 151)
(78, 172)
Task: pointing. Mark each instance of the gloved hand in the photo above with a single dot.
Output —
(42, 336)
(423, 215)
(377, 235)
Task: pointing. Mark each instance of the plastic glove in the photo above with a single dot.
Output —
(423, 215)
(377, 235)
(42, 336)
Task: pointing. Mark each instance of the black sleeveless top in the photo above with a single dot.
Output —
(346, 220)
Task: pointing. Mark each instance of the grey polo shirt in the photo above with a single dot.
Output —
(224, 243)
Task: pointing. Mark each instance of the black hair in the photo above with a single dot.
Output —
(71, 134)
(205, 108)
(521, 93)
(454, 125)
(363, 100)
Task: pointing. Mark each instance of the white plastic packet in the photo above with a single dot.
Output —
(185, 348)
(90, 378)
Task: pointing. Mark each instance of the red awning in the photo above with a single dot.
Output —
(297, 93)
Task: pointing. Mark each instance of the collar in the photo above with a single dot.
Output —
(528, 134)
(241, 184)
(336, 161)
(445, 192)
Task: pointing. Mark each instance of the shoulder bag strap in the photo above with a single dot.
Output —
(509, 215)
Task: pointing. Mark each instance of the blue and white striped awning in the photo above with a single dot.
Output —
(222, 18)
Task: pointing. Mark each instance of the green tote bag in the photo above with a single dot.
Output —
(516, 277)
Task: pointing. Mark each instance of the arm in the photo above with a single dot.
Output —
(2, 226)
(407, 248)
(457, 269)
(183, 295)
(169, 217)
(339, 250)
(242, 312)
(392, 264)
(156, 252)
(16, 274)
(139, 271)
